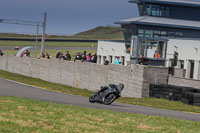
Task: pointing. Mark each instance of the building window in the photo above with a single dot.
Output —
(181, 64)
(141, 32)
(156, 33)
(158, 10)
(178, 34)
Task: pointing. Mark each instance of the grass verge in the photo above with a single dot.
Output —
(150, 102)
(52, 44)
(26, 115)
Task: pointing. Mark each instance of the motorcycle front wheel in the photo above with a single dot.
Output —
(110, 99)
(92, 98)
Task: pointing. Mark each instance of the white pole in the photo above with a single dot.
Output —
(36, 44)
(43, 35)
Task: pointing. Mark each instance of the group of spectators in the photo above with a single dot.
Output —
(1, 52)
(84, 57)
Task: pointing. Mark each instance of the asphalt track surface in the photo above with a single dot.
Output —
(11, 88)
(53, 48)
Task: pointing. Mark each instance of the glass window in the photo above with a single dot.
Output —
(163, 33)
(156, 33)
(178, 34)
(141, 32)
(157, 10)
(171, 34)
(148, 33)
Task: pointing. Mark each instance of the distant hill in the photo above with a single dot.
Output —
(98, 33)
(102, 32)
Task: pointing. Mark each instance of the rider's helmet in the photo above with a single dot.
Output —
(121, 86)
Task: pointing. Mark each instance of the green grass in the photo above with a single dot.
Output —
(150, 102)
(26, 115)
(51, 52)
(53, 44)
(102, 32)
(97, 33)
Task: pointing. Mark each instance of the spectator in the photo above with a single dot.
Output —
(83, 58)
(117, 60)
(89, 58)
(77, 56)
(48, 56)
(27, 53)
(43, 55)
(68, 56)
(141, 60)
(1, 52)
(94, 58)
(105, 62)
(58, 55)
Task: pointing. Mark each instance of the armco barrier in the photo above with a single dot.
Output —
(136, 78)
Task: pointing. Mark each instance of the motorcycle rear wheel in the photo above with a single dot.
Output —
(110, 99)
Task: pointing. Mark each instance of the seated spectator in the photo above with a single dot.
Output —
(94, 58)
(89, 58)
(77, 56)
(27, 53)
(48, 56)
(83, 58)
(105, 61)
(68, 56)
(58, 55)
(1, 52)
(117, 60)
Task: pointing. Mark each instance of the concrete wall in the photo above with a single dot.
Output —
(179, 72)
(184, 82)
(136, 78)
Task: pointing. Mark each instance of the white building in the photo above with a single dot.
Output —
(188, 54)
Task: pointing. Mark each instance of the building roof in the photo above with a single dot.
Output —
(172, 2)
(159, 21)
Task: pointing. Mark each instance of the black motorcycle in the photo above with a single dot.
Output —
(107, 94)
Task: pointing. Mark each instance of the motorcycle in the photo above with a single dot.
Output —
(107, 94)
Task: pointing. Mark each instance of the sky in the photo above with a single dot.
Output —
(64, 16)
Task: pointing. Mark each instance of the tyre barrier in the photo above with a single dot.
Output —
(187, 95)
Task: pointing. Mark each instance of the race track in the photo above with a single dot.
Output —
(11, 88)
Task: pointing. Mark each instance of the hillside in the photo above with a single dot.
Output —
(100, 32)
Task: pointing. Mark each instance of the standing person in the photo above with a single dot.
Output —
(117, 60)
(48, 55)
(94, 58)
(1, 52)
(89, 58)
(43, 55)
(68, 56)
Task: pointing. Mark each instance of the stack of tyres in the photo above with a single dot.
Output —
(196, 99)
(186, 95)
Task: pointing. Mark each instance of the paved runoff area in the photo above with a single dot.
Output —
(12, 88)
